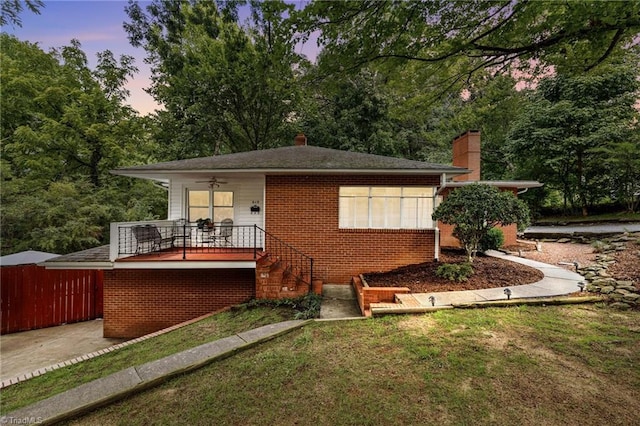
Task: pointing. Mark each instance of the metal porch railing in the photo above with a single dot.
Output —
(189, 238)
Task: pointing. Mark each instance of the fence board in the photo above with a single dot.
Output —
(33, 297)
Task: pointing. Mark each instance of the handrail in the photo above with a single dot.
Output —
(294, 259)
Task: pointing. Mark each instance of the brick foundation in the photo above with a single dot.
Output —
(138, 302)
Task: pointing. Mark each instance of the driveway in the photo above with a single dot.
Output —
(29, 351)
(602, 228)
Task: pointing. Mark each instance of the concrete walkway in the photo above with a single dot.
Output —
(556, 282)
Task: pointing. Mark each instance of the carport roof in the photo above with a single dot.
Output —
(93, 258)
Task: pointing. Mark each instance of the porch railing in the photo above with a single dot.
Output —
(138, 238)
(149, 237)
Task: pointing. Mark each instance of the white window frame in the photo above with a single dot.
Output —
(421, 219)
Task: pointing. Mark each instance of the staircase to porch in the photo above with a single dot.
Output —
(277, 279)
(282, 271)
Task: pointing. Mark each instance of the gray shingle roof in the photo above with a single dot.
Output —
(295, 158)
(93, 255)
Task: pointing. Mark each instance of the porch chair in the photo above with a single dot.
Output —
(226, 232)
(150, 236)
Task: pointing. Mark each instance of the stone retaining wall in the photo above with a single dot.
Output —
(623, 294)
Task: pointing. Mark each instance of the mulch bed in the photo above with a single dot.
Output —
(489, 272)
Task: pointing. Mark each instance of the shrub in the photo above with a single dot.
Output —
(305, 307)
(492, 240)
(455, 271)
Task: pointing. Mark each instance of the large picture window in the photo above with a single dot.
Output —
(216, 205)
(379, 207)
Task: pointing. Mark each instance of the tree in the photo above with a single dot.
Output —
(11, 9)
(465, 37)
(475, 209)
(225, 88)
(351, 114)
(569, 121)
(64, 126)
(622, 159)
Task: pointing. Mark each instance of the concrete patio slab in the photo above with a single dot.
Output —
(28, 351)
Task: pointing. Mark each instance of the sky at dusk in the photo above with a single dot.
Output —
(98, 27)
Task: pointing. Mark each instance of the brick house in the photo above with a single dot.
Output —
(278, 221)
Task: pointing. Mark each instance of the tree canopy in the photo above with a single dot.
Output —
(225, 87)
(64, 127)
(462, 38)
(570, 128)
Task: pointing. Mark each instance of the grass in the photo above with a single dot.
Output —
(520, 365)
(212, 328)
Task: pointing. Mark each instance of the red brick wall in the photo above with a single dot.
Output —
(138, 302)
(303, 211)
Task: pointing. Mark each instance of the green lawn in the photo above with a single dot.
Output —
(212, 328)
(573, 364)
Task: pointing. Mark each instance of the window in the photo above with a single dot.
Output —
(386, 207)
(198, 205)
(202, 204)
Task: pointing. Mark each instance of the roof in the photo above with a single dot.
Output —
(292, 159)
(28, 257)
(93, 258)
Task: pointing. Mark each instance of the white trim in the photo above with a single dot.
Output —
(77, 265)
(186, 264)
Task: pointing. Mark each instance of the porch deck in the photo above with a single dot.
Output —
(196, 254)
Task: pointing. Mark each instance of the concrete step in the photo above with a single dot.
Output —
(338, 291)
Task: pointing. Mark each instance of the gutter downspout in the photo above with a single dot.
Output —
(522, 191)
(443, 184)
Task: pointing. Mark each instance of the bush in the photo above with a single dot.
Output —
(492, 240)
(305, 307)
(455, 271)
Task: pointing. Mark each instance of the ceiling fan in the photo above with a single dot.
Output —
(213, 182)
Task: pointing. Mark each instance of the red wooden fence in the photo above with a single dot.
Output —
(34, 297)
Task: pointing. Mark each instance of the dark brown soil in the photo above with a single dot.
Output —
(489, 272)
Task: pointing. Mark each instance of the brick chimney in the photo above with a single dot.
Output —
(466, 153)
(300, 140)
